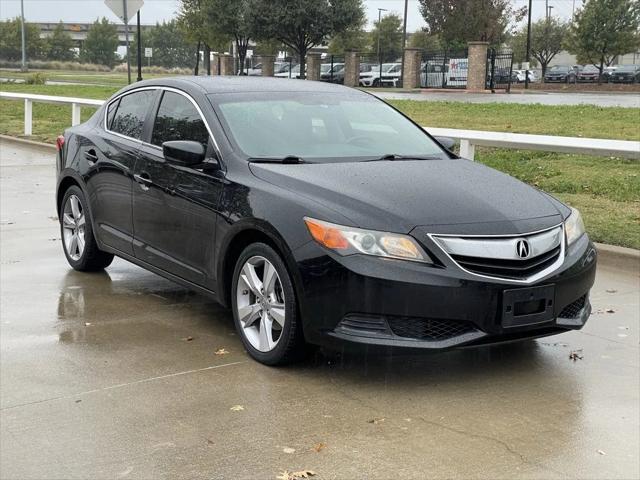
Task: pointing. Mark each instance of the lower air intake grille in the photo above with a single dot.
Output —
(428, 329)
(573, 309)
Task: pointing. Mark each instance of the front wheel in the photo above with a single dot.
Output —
(79, 244)
(265, 308)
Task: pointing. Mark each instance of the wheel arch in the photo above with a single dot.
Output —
(65, 182)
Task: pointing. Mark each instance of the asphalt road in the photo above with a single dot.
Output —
(115, 375)
(599, 99)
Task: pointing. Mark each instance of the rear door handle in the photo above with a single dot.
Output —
(91, 156)
(143, 180)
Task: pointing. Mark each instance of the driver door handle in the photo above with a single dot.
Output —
(144, 180)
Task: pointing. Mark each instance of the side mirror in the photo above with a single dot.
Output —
(185, 153)
(446, 142)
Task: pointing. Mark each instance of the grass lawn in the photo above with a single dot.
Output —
(606, 190)
(118, 79)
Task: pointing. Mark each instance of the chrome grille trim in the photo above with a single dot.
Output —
(482, 246)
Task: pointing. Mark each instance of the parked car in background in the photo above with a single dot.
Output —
(288, 70)
(391, 76)
(589, 74)
(560, 74)
(318, 214)
(626, 74)
(332, 73)
(518, 76)
(502, 76)
(371, 78)
(606, 74)
(255, 71)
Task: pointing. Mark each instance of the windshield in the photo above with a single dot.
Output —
(590, 69)
(326, 127)
(560, 68)
(626, 68)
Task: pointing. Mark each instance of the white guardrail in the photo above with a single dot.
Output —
(469, 139)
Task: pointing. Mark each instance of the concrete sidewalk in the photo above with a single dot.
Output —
(115, 375)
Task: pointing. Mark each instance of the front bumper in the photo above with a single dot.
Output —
(373, 301)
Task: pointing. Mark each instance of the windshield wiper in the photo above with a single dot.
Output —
(288, 160)
(395, 156)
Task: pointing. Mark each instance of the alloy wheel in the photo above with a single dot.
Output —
(260, 304)
(73, 224)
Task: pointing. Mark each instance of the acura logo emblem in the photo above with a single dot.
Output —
(523, 249)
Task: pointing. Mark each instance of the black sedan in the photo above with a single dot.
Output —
(319, 214)
(561, 74)
(626, 74)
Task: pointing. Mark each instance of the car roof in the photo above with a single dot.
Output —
(242, 83)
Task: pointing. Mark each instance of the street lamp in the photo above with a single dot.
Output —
(24, 46)
(404, 40)
(380, 10)
(528, 56)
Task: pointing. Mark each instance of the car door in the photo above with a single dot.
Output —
(175, 207)
(111, 158)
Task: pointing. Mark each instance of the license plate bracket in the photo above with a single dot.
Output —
(528, 306)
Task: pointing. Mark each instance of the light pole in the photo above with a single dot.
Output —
(380, 10)
(24, 43)
(549, 12)
(404, 40)
(526, 70)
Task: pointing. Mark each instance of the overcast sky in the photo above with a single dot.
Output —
(158, 10)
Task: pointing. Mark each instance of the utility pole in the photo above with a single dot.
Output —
(24, 42)
(380, 10)
(139, 49)
(126, 38)
(549, 12)
(546, 8)
(526, 71)
(404, 40)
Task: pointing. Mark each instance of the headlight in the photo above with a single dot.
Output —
(573, 226)
(350, 240)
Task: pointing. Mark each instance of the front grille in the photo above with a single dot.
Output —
(364, 324)
(573, 309)
(513, 269)
(428, 329)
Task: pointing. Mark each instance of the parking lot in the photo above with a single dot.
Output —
(123, 374)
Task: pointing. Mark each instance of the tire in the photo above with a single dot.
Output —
(78, 242)
(257, 308)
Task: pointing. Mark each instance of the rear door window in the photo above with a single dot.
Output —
(178, 119)
(130, 114)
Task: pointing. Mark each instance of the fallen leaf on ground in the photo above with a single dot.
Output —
(611, 290)
(610, 310)
(289, 450)
(87, 324)
(210, 442)
(187, 339)
(601, 452)
(286, 475)
(575, 355)
(237, 408)
(319, 446)
(221, 351)
(376, 421)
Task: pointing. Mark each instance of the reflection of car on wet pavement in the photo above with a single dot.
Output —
(321, 215)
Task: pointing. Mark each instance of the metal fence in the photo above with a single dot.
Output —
(444, 69)
(499, 70)
(332, 69)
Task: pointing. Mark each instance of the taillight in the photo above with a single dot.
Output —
(59, 143)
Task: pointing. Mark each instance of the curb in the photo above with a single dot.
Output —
(607, 252)
(26, 141)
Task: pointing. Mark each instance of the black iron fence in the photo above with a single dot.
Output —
(444, 69)
(332, 69)
(499, 70)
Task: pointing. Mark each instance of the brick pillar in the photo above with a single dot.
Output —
(215, 64)
(477, 67)
(313, 66)
(351, 68)
(226, 64)
(267, 62)
(411, 71)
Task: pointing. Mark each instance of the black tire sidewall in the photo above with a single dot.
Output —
(290, 338)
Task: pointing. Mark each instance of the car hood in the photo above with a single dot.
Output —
(401, 195)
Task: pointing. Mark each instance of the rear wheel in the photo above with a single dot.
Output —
(79, 244)
(265, 308)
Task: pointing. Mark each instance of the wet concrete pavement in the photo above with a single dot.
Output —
(544, 98)
(99, 379)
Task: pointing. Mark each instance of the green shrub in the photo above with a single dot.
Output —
(36, 79)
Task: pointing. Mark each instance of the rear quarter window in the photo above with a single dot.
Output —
(130, 113)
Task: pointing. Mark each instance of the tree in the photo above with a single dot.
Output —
(171, 47)
(425, 40)
(389, 31)
(101, 44)
(11, 40)
(351, 39)
(460, 21)
(604, 29)
(547, 38)
(230, 18)
(301, 24)
(59, 45)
